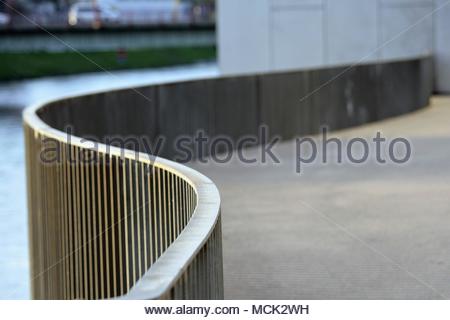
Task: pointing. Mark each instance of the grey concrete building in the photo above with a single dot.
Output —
(264, 35)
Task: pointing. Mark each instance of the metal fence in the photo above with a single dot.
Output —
(150, 228)
(106, 224)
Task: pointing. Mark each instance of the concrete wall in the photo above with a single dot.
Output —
(237, 106)
(442, 46)
(264, 35)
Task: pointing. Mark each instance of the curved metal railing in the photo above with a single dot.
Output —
(108, 223)
(105, 224)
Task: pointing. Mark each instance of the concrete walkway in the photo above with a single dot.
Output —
(342, 231)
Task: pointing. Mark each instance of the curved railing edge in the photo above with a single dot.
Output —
(161, 276)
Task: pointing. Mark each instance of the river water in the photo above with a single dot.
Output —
(14, 97)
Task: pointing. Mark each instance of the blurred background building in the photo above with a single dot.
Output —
(45, 37)
(107, 13)
(263, 35)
